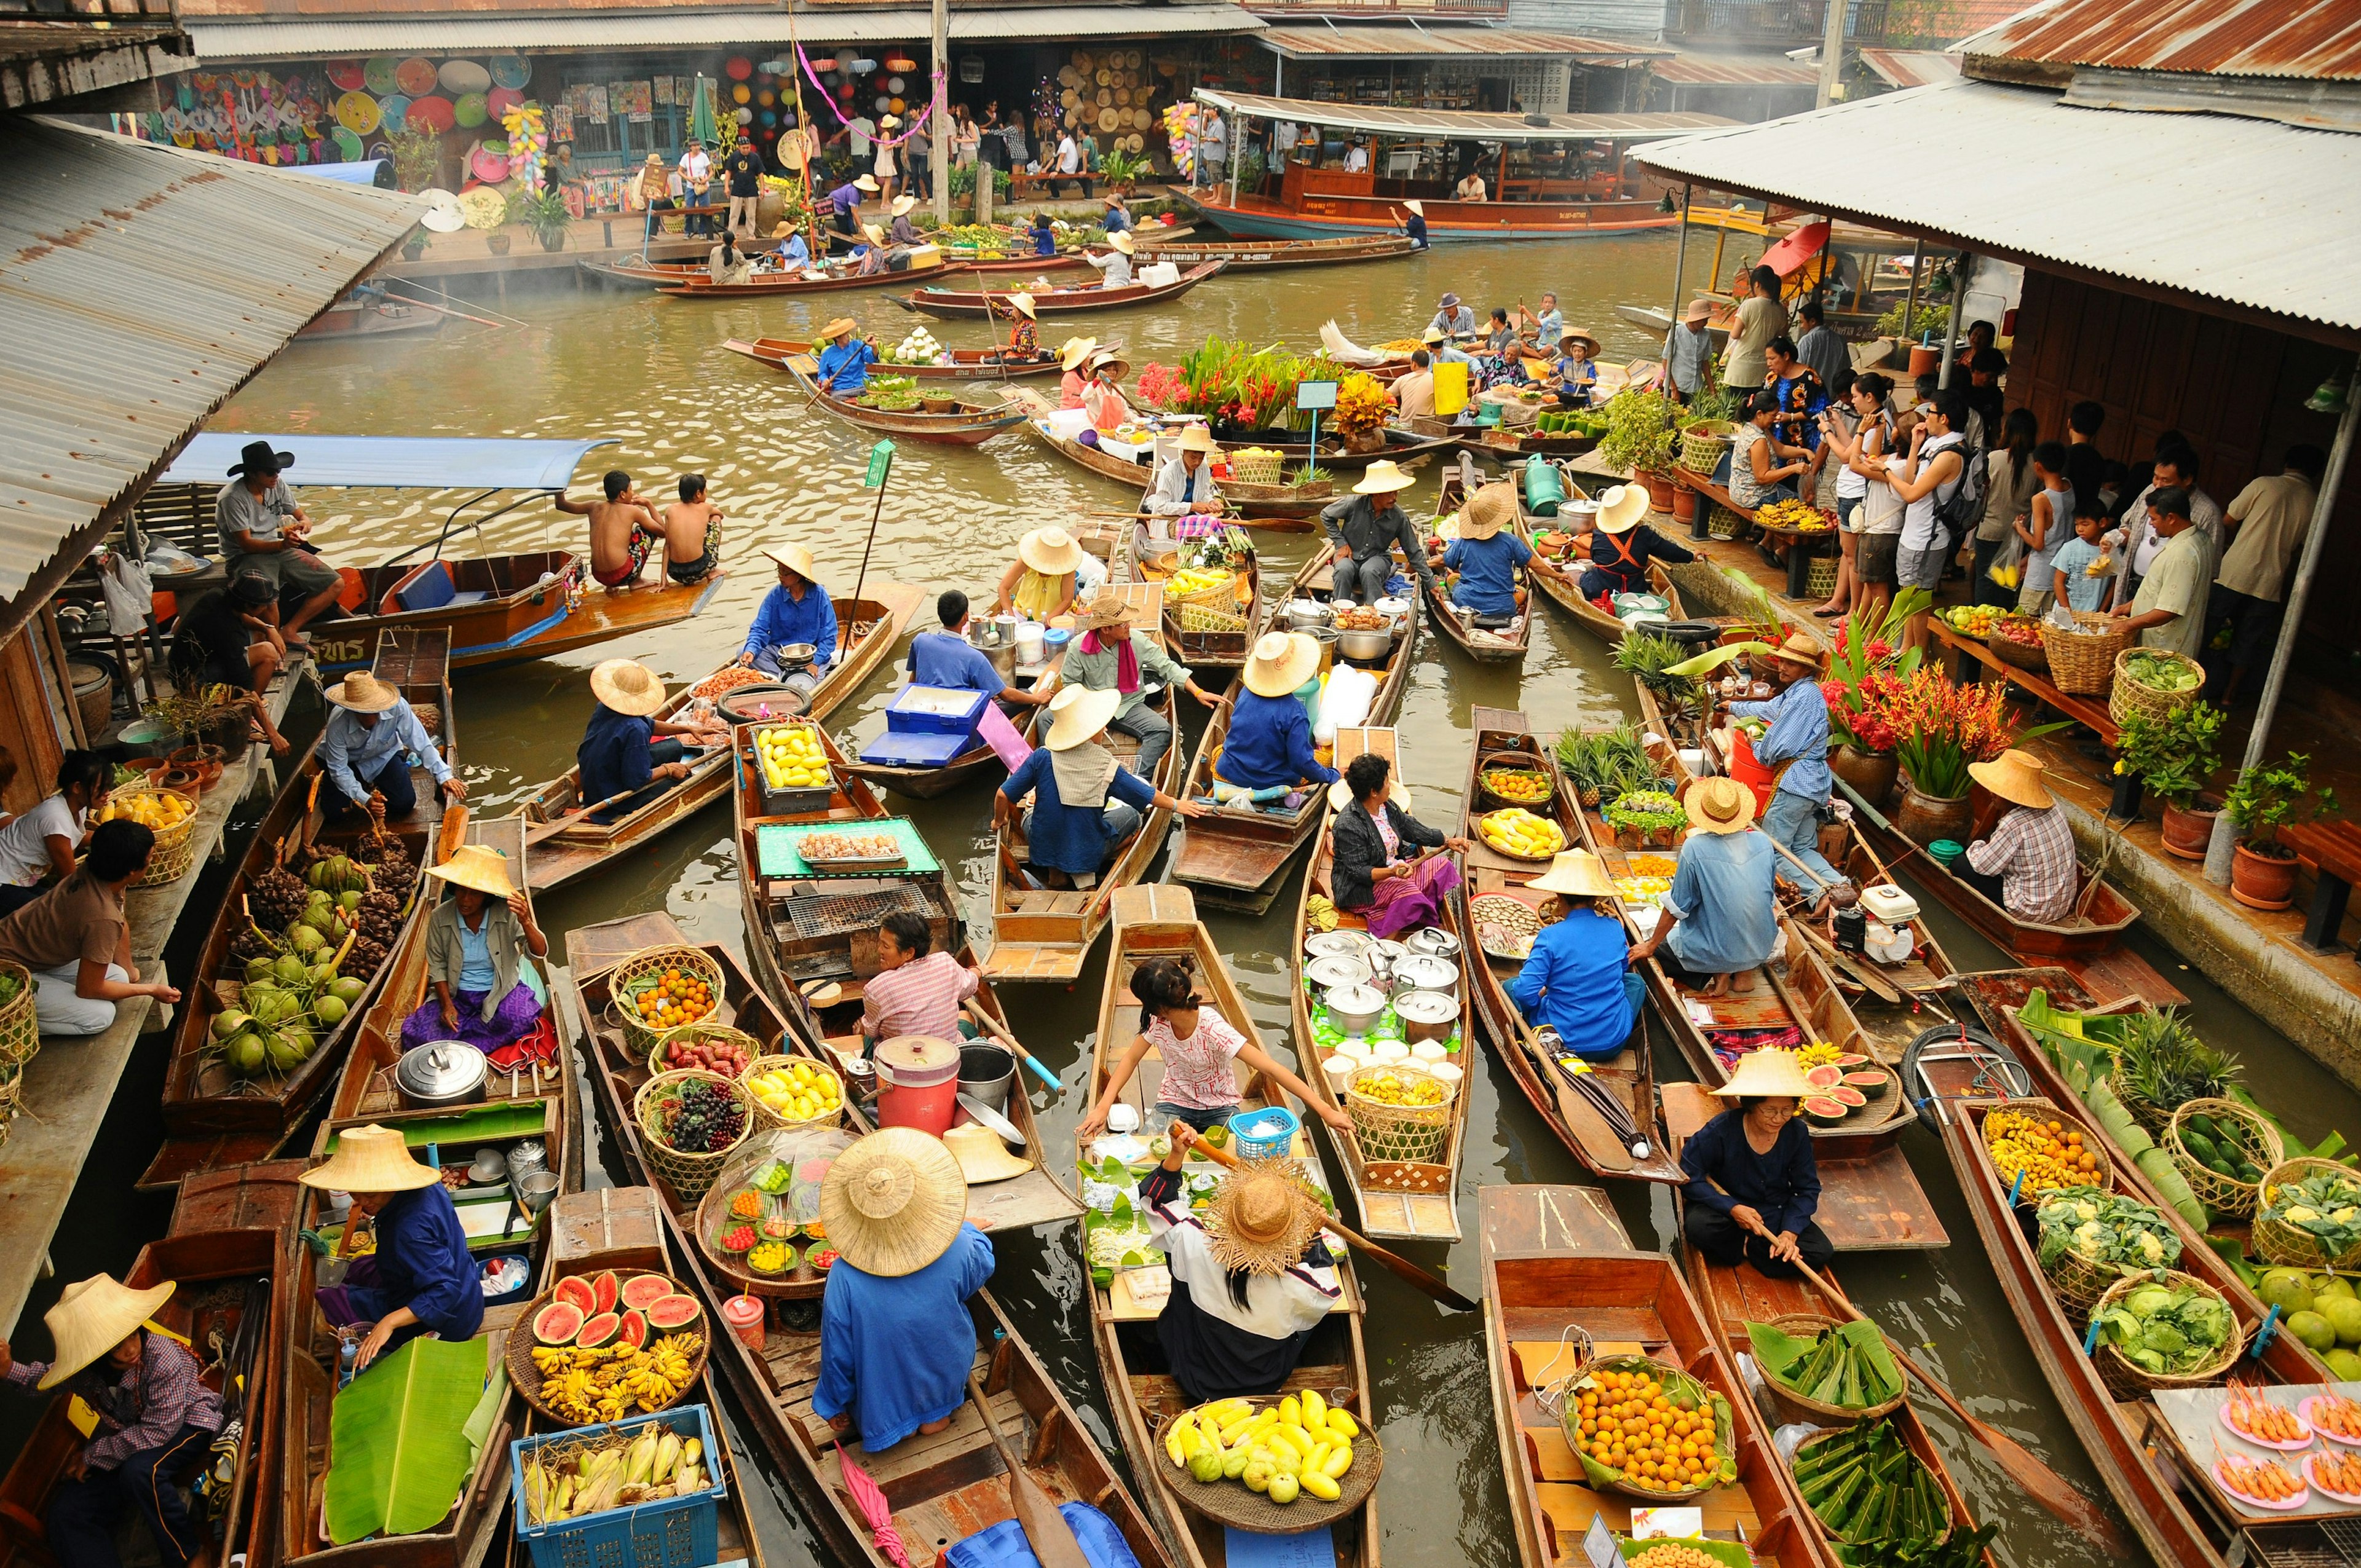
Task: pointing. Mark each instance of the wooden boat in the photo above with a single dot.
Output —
(1399, 445)
(968, 425)
(1561, 582)
(1160, 923)
(353, 319)
(1523, 441)
(211, 1118)
(1484, 647)
(1066, 261)
(1320, 203)
(1502, 736)
(956, 302)
(567, 844)
(1274, 255)
(1237, 855)
(967, 364)
(1222, 651)
(1285, 509)
(700, 285)
(641, 273)
(2153, 1476)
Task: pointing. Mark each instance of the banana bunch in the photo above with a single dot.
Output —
(1283, 1450)
(608, 1382)
(623, 1472)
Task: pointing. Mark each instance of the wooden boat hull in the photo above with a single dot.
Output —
(968, 427)
(1325, 216)
(1212, 649)
(967, 364)
(1277, 256)
(1284, 509)
(952, 304)
(1484, 647)
(1562, 584)
(781, 285)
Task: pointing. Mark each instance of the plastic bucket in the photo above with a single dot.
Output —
(1946, 851)
(985, 1072)
(1265, 1134)
(1030, 636)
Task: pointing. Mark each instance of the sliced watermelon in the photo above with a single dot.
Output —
(641, 1289)
(607, 1290)
(674, 1312)
(1851, 1059)
(557, 1323)
(1846, 1096)
(575, 1291)
(1825, 1077)
(1870, 1083)
(634, 1329)
(1825, 1109)
(598, 1331)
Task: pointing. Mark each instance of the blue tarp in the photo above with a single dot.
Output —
(391, 462)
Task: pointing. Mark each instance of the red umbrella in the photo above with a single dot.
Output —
(874, 1509)
(1797, 248)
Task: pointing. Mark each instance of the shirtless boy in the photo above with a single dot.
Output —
(622, 531)
(689, 525)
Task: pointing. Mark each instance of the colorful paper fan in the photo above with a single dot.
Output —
(460, 77)
(415, 76)
(433, 112)
(511, 71)
(469, 110)
(393, 111)
(348, 144)
(500, 100)
(347, 74)
(377, 73)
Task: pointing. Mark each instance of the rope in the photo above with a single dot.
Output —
(1551, 1396)
(828, 101)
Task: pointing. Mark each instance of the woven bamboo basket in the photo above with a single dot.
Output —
(1702, 443)
(175, 849)
(1221, 597)
(12, 1097)
(2281, 1243)
(1723, 523)
(1821, 579)
(2132, 698)
(770, 1120)
(2218, 1192)
(1791, 1407)
(2077, 1282)
(649, 963)
(1672, 1377)
(689, 1174)
(2152, 1119)
(1202, 618)
(1255, 468)
(20, 1029)
(1412, 1134)
(2084, 660)
(2024, 655)
(2128, 1379)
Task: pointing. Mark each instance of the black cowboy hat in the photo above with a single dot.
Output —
(256, 457)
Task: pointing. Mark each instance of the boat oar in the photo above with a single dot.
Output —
(991, 1027)
(1400, 1267)
(1046, 1530)
(2043, 1484)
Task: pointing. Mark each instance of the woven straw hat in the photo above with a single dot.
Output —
(1260, 1219)
(1432, 334)
(1121, 242)
(1700, 310)
(795, 558)
(1383, 474)
(903, 204)
(1770, 1072)
(479, 866)
(1021, 302)
(1493, 508)
(92, 1317)
(1078, 714)
(1622, 508)
(1799, 650)
(628, 687)
(370, 1159)
(1282, 661)
(893, 1202)
(876, 236)
(1582, 335)
(1107, 607)
(1719, 805)
(981, 1157)
(1197, 438)
(2015, 777)
(1576, 873)
(839, 327)
(361, 692)
(1107, 359)
(865, 183)
(1077, 349)
(1049, 550)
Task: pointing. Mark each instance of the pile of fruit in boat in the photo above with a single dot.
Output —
(2047, 1153)
(609, 1344)
(1525, 786)
(671, 999)
(570, 1480)
(1283, 1450)
(1519, 832)
(708, 1050)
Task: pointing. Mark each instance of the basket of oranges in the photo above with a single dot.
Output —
(659, 988)
(1650, 1430)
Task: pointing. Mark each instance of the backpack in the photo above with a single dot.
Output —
(1963, 508)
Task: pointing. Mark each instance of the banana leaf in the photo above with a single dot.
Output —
(1713, 659)
(398, 1445)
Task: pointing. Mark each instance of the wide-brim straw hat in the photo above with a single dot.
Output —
(1433, 334)
(1106, 357)
(1282, 661)
(1576, 873)
(1700, 309)
(361, 692)
(903, 204)
(1197, 438)
(2015, 777)
(476, 866)
(1121, 242)
(370, 1159)
(981, 1157)
(1418, 207)
(92, 1317)
(1049, 550)
(865, 183)
(1769, 1073)
(655, 161)
(1718, 806)
(628, 687)
(1107, 607)
(889, 122)
(1492, 508)
(1077, 350)
(1582, 336)
(1078, 714)
(839, 327)
(1381, 478)
(876, 236)
(796, 558)
(1259, 1219)
(1622, 509)
(1799, 649)
(1023, 302)
(1340, 794)
(893, 1202)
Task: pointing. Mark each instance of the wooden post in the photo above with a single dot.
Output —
(942, 170)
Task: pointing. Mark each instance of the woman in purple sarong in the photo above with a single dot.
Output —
(474, 943)
(1380, 872)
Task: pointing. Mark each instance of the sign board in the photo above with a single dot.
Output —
(881, 462)
(1315, 394)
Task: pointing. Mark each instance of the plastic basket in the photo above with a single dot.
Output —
(1272, 1135)
(2084, 660)
(2127, 1380)
(675, 1532)
(175, 849)
(1789, 1407)
(21, 1027)
(770, 1120)
(1410, 1134)
(2221, 1194)
(2283, 1244)
(646, 964)
(2132, 698)
(689, 1174)
(1256, 467)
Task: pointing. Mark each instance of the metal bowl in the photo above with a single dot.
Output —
(1363, 645)
(794, 656)
(1338, 970)
(1354, 1009)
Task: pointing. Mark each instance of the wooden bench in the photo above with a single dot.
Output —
(1802, 544)
(2089, 712)
(2333, 850)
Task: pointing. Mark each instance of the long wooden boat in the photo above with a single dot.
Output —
(210, 1118)
(967, 364)
(1282, 509)
(1275, 256)
(1508, 647)
(1560, 582)
(1399, 445)
(567, 844)
(957, 303)
(2155, 1482)
(1237, 855)
(1523, 441)
(1222, 651)
(1501, 736)
(969, 424)
(1160, 923)
(352, 320)
(780, 285)
(1320, 203)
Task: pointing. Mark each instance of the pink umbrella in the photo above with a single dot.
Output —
(874, 1509)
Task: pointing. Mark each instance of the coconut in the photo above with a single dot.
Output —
(306, 940)
(246, 1055)
(261, 969)
(229, 1022)
(2289, 1290)
(330, 1010)
(348, 988)
(349, 900)
(284, 1055)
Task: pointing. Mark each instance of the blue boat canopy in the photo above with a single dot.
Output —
(391, 462)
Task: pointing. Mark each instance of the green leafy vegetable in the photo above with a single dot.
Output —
(2169, 1330)
(1870, 1491)
(2325, 1205)
(2105, 1228)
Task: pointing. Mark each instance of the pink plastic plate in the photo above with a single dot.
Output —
(2304, 1410)
(2325, 1489)
(2290, 1506)
(2296, 1447)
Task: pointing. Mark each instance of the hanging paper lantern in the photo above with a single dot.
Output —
(883, 101)
(767, 118)
(738, 67)
(894, 84)
(844, 91)
(864, 67)
(898, 107)
(745, 116)
(740, 93)
(901, 62)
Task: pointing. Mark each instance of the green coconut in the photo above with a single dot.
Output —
(306, 940)
(229, 1022)
(246, 1055)
(258, 970)
(349, 900)
(2289, 1290)
(348, 988)
(330, 1010)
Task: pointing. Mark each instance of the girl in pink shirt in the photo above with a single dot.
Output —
(1197, 1048)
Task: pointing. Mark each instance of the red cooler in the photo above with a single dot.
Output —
(1747, 770)
(917, 1083)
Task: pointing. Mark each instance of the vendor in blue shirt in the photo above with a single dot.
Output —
(1085, 803)
(1720, 920)
(1414, 224)
(795, 255)
(1754, 1185)
(1622, 545)
(1577, 980)
(1796, 748)
(620, 754)
(795, 614)
(365, 747)
(844, 204)
(420, 1277)
(1044, 236)
(1485, 558)
(1269, 742)
(946, 658)
(844, 363)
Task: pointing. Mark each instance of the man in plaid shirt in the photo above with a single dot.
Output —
(2024, 862)
(154, 1414)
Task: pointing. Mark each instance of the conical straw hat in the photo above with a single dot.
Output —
(1768, 1073)
(92, 1317)
(479, 866)
(627, 686)
(370, 1159)
(893, 1202)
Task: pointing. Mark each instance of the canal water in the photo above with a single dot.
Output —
(651, 375)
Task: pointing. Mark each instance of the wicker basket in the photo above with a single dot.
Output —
(2024, 655)
(1723, 523)
(1410, 1134)
(12, 1097)
(646, 964)
(1260, 468)
(1790, 1407)
(2218, 1193)
(1208, 621)
(2280, 1242)
(2083, 661)
(1702, 443)
(1821, 579)
(1941, 1501)
(698, 1034)
(525, 1375)
(2132, 698)
(1725, 1437)
(689, 1174)
(1221, 597)
(175, 849)
(770, 1120)
(21, 1028)
(2128, 1379)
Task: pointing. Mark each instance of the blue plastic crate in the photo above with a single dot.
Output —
(935, 710)
(677, 1533)
(913, 749)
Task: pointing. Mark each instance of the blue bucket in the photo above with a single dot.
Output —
(1265, 1134)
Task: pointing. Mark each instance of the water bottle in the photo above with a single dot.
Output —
(345, 1360)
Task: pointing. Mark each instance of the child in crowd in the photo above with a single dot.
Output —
(2082, 572)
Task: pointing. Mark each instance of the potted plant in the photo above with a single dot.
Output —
(1121, 171)
(496, 239)
(1939, 726)
(417, 159)
(2267, 797)
(545, 212)
(1640, 438)
(2173, 757)
(1360, 418)
(415, 246)
(1863, 661)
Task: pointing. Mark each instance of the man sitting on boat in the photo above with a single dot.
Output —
(1072, 359)
(365, 752)
(1184, 482)
(75, 939)
(155, 1418)
(1106, 656)
(1485, 558)
(795, 614)
(1045, 235)
(623, 763)
(1379, 872)
(1196, 1048)
(1414, 223)
(918, 988)
(623, 529)
(1117, 219)
(1085, 804)
(1366, 528)
(1024, 335)
(2024, 861)
(1269, 751)
(1452, 319)
(475, 943)
(1469, 189)
(1115, 267)
(692, 527)
(1622, 545)
(1796, 748)
(725, 263)
(1753, 1182)
(1577, 980)
(896, 1338)
(1721, 918)
(844, 363)
(262, 529)
(904, 232)
(1046, 579)
(420, 1277)
(946, 658)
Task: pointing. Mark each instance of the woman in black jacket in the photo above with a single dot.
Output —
(1394, 891)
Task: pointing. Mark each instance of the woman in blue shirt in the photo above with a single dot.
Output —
(1268, 746)
(421, 1278)
(1578, 980)
(1085, 803)
(1487, 559)
(474, 943)
(795, 614)
(844, 363)
(1753, 1184)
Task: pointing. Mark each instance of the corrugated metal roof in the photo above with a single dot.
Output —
(1460, 124)
(140, 287)
(296, 37)
(1688, 70)
(2315, 39)
(2081, 187)
(1357, 41)
(1910, 67)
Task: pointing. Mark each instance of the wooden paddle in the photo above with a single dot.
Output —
(1046, 1530)
(453, 833)
(2043, 1484)
(1400, 1267)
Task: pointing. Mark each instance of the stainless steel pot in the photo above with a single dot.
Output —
(445, 1072)
(1335, 944)
(1303, 615)
(1354, 1009)
(1435, 941)
(1365, 645)
(1424, 971)
(1338, 970)
(1383, 955)
(1426, 1014)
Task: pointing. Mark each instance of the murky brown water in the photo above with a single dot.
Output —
(651, 373)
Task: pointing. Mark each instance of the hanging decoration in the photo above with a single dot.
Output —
(528, 131)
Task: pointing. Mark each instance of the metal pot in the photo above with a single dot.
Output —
(443, 1072)
(1354, 1009)
(527, 1157)
(1424, 971)
(1337, 971)
(1335, 944)
(1426, 1014)
(1303, 615)
(1394, 608)
(1436, 942)
(1383, 955)
(1365, 645)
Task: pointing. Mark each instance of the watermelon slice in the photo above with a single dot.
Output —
(607, 1290)
(1825, 1109)
(1825, 1077)
(575, 1291)
(1847, 1096)
(557, 1323)
(673, 1312)
(634, 1329)
(641, 1289)
(1870, 1083)
(1851, 1059)
(598, 1331)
